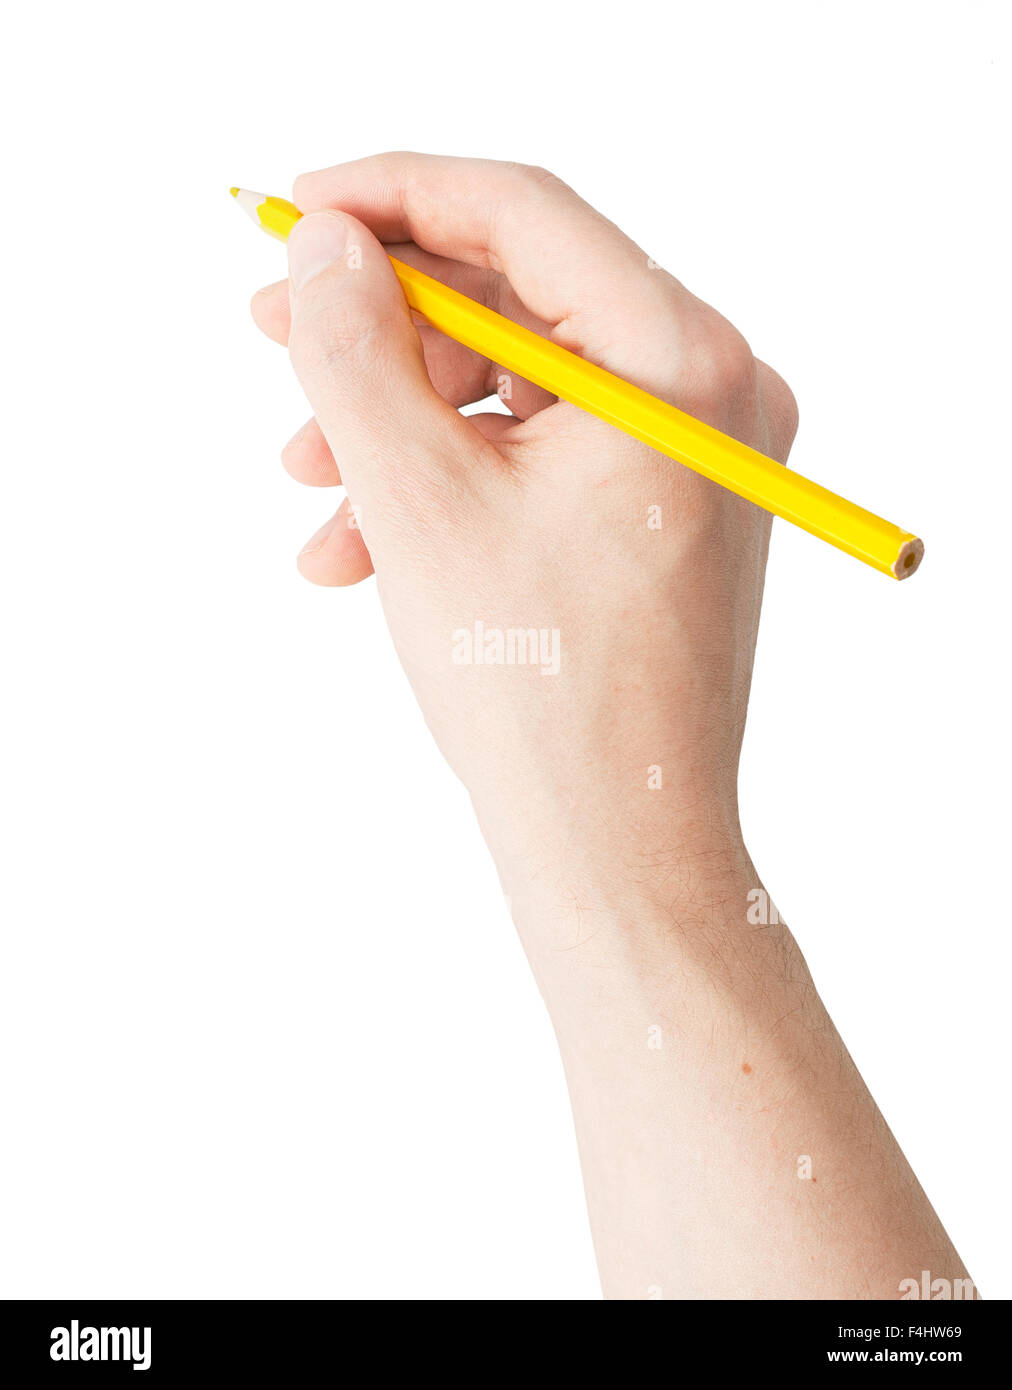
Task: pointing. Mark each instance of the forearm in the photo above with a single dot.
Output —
(729, 1146)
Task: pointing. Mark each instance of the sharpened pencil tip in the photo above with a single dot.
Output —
(234, 192)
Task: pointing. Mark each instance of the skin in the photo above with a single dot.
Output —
(702, 1066)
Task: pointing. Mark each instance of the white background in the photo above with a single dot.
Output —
(265, 1029)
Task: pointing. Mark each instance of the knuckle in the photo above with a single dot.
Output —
(399, 169)
(392, 165)
(538, 175)
(534, 176)
(720, 365)
(781, 405)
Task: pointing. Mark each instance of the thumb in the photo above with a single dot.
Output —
(360, 362)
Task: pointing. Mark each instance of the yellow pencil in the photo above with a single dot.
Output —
(716, 456)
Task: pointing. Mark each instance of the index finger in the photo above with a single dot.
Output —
(568, 264)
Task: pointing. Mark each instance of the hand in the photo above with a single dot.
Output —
(604, 766)
(610, 756)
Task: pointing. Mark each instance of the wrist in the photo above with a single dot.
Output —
(616, 871)
(693, 934)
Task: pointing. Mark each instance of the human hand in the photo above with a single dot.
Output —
(603, 767)
(610, 755)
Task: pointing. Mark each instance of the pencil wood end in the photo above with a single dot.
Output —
(910, 556)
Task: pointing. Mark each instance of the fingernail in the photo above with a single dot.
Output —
(317, 541)
(315, 242)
